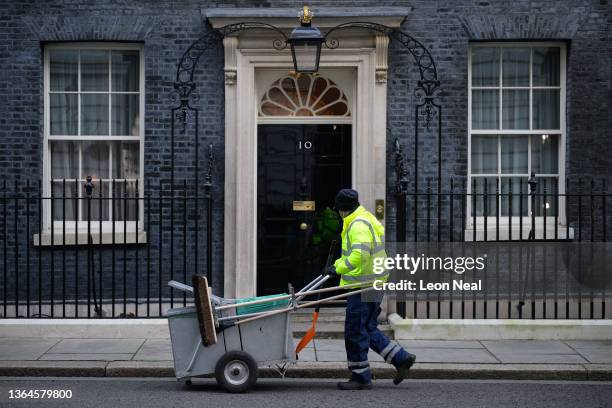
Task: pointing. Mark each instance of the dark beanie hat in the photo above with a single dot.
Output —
(346, 200)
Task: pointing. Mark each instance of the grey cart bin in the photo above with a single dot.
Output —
(236, 354)
(220, 336)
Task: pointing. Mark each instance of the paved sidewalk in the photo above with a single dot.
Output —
(324, 358)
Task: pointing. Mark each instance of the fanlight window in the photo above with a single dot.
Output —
(306, 95)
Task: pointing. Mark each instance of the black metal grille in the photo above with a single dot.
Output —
(578, 213)
(84, 265)
(164, 232)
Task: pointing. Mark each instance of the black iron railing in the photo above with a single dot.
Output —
(544, 221)
(101, 248)
(489, 210)
(106, 248)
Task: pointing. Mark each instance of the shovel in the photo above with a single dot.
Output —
(310, 333)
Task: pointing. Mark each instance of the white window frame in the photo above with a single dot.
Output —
(516, 220)
(76, 231)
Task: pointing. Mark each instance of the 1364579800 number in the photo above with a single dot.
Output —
(40, 394)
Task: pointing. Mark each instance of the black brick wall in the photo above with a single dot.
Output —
(168, 27)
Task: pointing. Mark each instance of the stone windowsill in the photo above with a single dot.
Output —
(80, 238)
(504, 232)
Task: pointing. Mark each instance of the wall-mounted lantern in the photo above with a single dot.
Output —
(305, 42)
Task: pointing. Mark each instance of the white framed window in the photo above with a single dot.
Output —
(516, 126)
(94, 126)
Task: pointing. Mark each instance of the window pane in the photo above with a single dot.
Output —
(546, 109)
(64, 165)
(94, 114)
(126, 160)
(485, 66)
(125, 112)
(546, 199)
(64, 200)
(484, 154)
(125, 71)
(515, 66)
(485, 109)
(514, 154)
(125, 205)
(483, 202)
(546, 66)
(63, 67)
(64, 114)
(510, 196)
(126, 170)
(94, 70)
(95, 160)
(306, 54)
(545, 154)
(64, 160)
(515, 112)
(96, 205)
(95, 164)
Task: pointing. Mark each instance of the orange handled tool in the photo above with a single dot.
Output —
(310, 333)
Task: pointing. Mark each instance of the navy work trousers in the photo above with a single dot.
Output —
(361, 333)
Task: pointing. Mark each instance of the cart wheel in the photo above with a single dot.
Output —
(188, 383)
(236, 371)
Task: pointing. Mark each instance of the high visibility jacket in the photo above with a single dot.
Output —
(362, 242)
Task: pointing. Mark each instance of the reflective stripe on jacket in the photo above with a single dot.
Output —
(362, 242)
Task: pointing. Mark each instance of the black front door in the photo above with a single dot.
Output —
(300, 168)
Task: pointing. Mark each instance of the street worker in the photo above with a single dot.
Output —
(362, 241)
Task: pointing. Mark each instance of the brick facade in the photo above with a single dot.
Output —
(168, 27)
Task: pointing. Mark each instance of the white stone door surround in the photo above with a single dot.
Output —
(363, 52)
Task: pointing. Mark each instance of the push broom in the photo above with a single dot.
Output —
(310, 333)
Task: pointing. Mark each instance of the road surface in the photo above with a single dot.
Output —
(295, 393)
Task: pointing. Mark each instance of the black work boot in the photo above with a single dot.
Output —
(353, 385)
(403, 368)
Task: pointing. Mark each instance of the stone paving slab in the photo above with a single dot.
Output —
(431, 344)
(96, 346)
(596, 356)
(24, 348)
(308, 354)
(328, 344)
(541, 359)
(598, 352)
(325, 355)
(85, 357)
(154, 350)
(589, 344)
(533, 351)
(440, 355)
(528, 346)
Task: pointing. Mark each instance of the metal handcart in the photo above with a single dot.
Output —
(230, 338)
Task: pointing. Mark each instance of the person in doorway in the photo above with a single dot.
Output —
(362, 241)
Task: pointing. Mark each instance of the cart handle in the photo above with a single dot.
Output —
(307, 304)
(282, 297)
(315, 282)
(321, 279)
(313, 288)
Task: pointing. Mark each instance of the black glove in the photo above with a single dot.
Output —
(330, 271)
